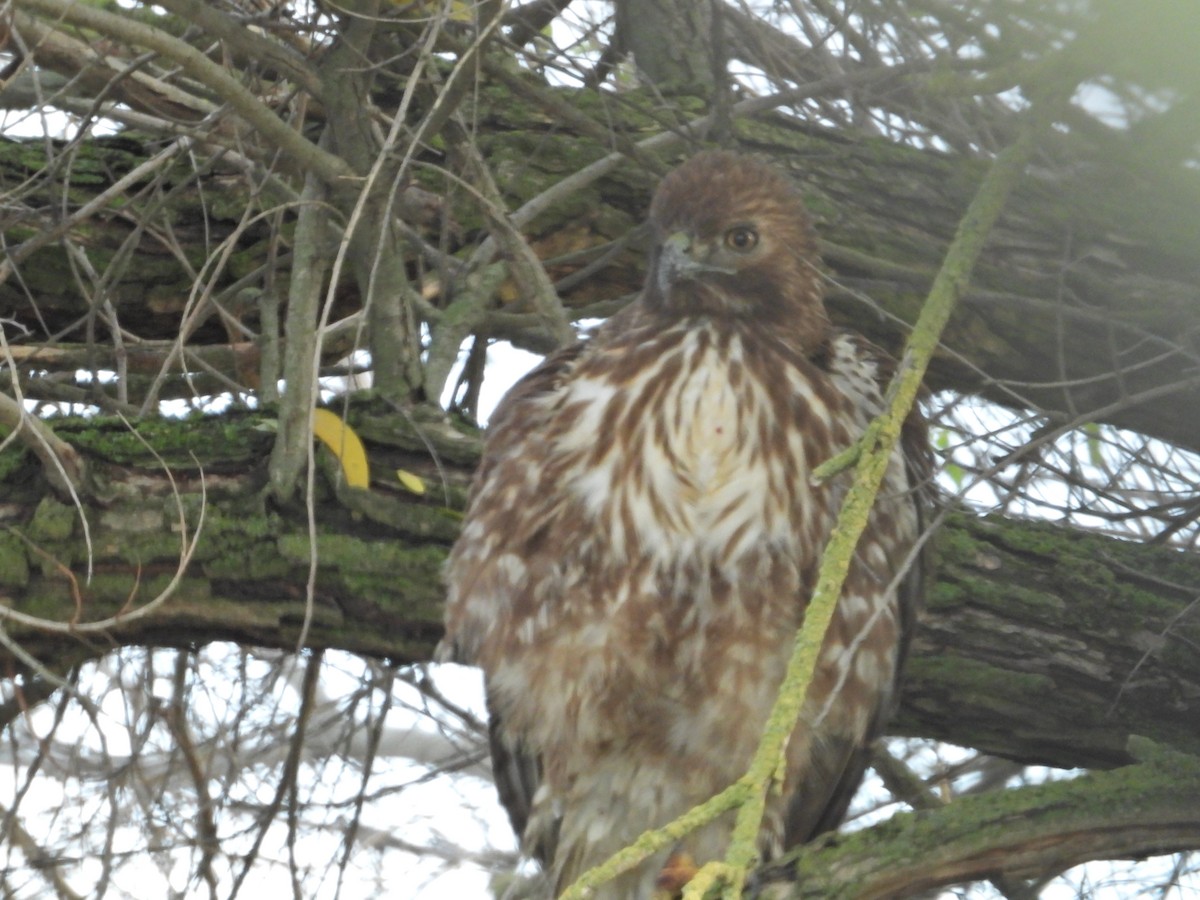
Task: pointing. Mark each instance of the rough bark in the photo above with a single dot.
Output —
(671, 43)
(1038, 643)
(1054, 646)
(1131, 812)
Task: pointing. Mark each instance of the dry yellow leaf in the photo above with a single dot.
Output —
(346, 446)
(413, 483)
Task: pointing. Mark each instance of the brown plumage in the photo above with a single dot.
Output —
(643, 537)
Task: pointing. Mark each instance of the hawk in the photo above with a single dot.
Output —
(643, 537)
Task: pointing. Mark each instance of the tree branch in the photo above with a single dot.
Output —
(1136, 811)
(1039, 642)
(248, 43)
(254, 112)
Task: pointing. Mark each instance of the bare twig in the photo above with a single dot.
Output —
(254, 112)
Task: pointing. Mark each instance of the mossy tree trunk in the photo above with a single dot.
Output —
(1038, 643)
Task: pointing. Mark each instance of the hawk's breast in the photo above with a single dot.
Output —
(678, 464)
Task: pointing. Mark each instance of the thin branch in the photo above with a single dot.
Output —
(291, 767)
(667, 140)
(95, 81)
(311, 257)
(248, 43)
(118, 188)
(46, 863)
(206, 826)
(62, 465)
(258, 115)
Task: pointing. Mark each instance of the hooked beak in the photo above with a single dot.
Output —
(683, 258)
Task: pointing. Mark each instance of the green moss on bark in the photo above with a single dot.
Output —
(14, 567)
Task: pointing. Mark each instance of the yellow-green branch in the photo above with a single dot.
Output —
(870, 458)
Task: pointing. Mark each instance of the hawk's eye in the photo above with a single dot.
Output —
(741, 238)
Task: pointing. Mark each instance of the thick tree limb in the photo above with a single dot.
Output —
(1048, 645)
(1084, 304)
(1038, 643)
(1136, 811)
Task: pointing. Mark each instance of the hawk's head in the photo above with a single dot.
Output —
(731, 237)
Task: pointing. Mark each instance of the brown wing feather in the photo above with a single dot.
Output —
(515, 424)
(518, 774)
(821, 801)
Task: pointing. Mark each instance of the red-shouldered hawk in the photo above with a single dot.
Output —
(643, 537)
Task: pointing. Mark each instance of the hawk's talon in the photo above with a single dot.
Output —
(676, 872)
